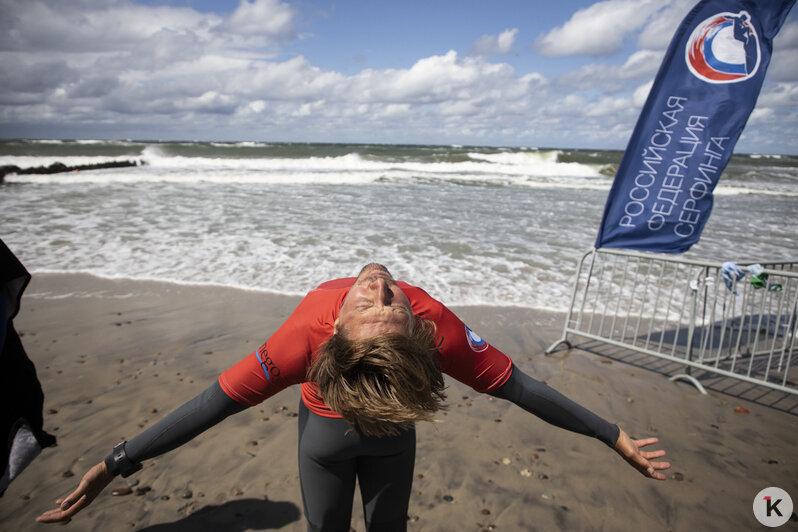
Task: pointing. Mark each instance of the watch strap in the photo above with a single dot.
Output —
(118, 462)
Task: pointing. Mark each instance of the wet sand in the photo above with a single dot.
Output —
(113, 357)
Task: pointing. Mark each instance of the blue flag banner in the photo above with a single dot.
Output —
(699, 103)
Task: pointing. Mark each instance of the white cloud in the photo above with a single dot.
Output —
(597, 30)
(658, 32)
(99, 27)
(435, 79)
(641, 94)
(294, 79)
(34, 77)
(779, 95)
(432, 79)
(177, 73)
(501, 44)
(115, 56)
(271, 20)
(761, 116)
(459, 108)
(783, 66)
(641, 64)
(784, 61)
(566, 106)
(607, 107)
(210, 102)
(163, 49)
(787, 38)
(153, 36)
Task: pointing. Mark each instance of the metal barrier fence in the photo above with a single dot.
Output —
(683, 311)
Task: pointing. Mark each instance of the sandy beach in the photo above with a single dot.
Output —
(114, 356)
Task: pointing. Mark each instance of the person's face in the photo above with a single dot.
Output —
(374, 305)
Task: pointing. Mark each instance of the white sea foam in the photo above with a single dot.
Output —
(493, 227)
(538, 170)
(524, 169)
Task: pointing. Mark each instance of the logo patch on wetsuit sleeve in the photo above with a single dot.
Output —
(475, 341)
(262, 354)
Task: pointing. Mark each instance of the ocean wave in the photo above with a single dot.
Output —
(762, 191)
(251, 162)
(538, 164)
(539, 170)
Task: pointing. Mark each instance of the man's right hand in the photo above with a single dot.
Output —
(92, 483)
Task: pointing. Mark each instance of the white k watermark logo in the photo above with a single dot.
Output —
(772, 507)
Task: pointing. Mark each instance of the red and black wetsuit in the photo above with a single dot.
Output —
(331, 455)
(286, 356)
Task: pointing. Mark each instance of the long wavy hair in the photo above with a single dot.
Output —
(382, 384)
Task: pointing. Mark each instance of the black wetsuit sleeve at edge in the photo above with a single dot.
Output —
(553, 407)
(194, 417)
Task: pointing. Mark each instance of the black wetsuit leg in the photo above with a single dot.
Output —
(332, 456)
(385, 484)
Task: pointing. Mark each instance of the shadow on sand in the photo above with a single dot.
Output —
(239, 515)
(778, 400)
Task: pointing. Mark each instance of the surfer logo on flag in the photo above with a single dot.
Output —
(724, 48)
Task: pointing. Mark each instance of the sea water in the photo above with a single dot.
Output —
(472, 225)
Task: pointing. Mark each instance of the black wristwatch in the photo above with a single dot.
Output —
(118, 463)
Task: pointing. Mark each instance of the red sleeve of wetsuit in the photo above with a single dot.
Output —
(463, 354)
(284, 358)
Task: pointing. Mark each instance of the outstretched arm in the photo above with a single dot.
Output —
(197, 415)
(553, 407)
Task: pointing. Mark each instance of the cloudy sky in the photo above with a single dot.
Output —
(568, 73)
